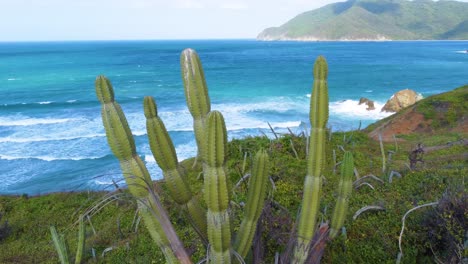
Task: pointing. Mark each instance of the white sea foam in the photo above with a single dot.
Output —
(351, 109)
(47, 158)
(30, 121)
(461, 51)
(13, 79)
(103, 181)
(71, 101)
(48, 138)
(183, 151)
(238, 116)
(369, 91)
(44, 102)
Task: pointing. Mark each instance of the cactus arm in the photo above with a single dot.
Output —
(216, 189)
(164, 153)
(136, 175)
(255, 201)
(146, 210)
(196, 94)
(344, 189)
(315, 161)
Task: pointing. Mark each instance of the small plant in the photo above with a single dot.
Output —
(447, 227)
(5, 229)
(61, 245)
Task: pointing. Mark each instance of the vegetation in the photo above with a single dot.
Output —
(115, 237)
(377, 19)
(113, 219)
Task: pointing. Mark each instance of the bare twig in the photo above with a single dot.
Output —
(272, 130)
(403, 226)
(366, 208)
(365, 184)
(293, 148)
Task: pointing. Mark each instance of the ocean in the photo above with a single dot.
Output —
(51, 134)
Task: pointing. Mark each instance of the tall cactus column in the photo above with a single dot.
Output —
(255, 201)
(122, 144)
(345, 188)
(196, 94)
(315, 161)
(216, 189)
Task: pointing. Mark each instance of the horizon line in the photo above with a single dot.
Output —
(121, 40)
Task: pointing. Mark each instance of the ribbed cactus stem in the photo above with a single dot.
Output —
(315, 161)
(165, 155)
(255, 201)
(120, 139)
(122, 144)
(196, 93)
(216, 189)
(344, 191)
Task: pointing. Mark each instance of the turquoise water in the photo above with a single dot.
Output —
(51, 135)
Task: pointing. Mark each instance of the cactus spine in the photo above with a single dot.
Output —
(315, 161)
(344, 191)
(255, 201)
(164, 153)
(216, 189)
(122, 144)
(196, 94)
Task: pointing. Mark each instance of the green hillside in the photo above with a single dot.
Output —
(377, 20)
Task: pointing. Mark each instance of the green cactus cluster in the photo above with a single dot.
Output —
(316, 158)
(213, 223)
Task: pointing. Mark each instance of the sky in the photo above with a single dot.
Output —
(23, 20)
(45, 20)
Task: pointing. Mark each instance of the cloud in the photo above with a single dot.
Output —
(237, 5)
(189, 4)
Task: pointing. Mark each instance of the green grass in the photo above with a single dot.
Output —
(372, 238)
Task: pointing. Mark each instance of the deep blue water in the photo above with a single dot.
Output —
(51, 135)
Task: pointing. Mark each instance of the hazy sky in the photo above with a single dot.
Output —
(144, 19)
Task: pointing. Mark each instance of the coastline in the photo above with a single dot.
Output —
(311, 39)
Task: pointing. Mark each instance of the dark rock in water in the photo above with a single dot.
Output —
(400, 100)
(368, 102)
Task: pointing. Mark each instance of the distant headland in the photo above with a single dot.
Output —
(376, 20)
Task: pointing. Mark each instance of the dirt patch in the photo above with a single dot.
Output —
(404, 124)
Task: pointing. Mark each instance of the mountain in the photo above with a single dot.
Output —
(377, 20)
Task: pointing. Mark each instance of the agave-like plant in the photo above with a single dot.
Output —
(61, 245)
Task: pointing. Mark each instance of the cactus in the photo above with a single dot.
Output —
(255, 200)
(315, 161)
(196, 94)
(344, 191)
(216, 189)
(210, 134)
(122, 144)
(164, 153)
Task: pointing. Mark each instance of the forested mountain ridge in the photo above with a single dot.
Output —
(377, 20)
